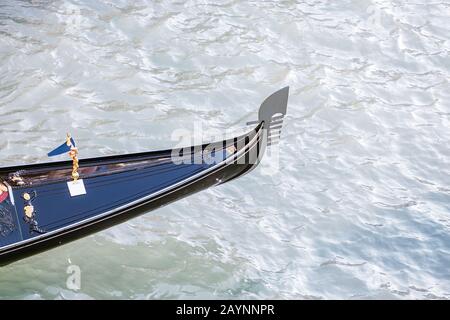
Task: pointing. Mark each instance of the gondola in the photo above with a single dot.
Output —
(46, 205)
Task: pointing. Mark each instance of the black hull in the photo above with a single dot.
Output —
(41, 209)
(224, 173)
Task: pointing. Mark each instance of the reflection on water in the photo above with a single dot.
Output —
(361, 205)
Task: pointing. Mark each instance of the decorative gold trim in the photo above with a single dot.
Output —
(68, 142)
(73, 154)
(29, 210)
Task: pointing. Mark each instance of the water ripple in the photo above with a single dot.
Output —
(360, 207)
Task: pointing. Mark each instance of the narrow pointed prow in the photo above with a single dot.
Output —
(272, 112)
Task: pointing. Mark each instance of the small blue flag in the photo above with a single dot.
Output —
(64, 148)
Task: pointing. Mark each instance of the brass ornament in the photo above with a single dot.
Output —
(26, 196)
(73, 154)
(29, 210)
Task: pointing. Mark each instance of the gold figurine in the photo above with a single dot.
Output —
(73, 154)
(29, 210)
